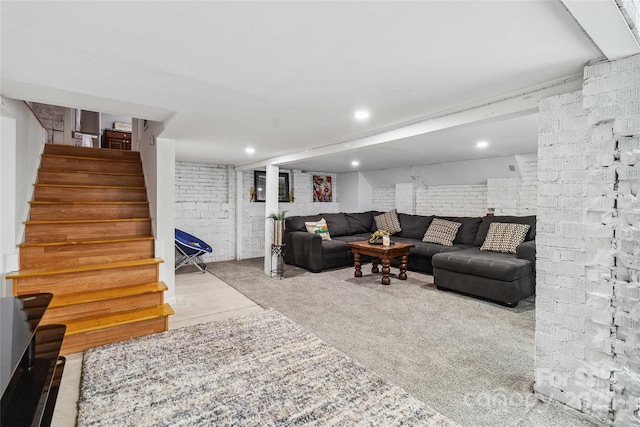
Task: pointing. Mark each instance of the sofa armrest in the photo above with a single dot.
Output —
(304, 250)
(527, 250)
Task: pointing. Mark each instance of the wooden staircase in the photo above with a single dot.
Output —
(88, 241)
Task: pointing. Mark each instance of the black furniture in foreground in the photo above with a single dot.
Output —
(30, 369)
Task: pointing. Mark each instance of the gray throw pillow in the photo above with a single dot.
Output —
(442, 232)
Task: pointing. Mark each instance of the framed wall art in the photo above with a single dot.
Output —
(260, 181)
(322, 188)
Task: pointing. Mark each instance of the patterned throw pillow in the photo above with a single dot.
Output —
(504, 237)
(442, 232)
(318, 227)
(388, 222)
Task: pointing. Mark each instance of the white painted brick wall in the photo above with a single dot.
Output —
(588, 243)
(615, 120)
(566, 262)
(51, 117)
(528, 191)
(253, 217)
(303, 188)
(503, 195)
(205, 206)
(384, 199)
(452, 200)
(406, 198)
(515, 196)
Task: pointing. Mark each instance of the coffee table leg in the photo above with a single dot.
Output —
(403, 267)
(374, 265)
(357, 265)
(385, 271)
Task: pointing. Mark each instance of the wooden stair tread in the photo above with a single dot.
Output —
(79, 202)
(33, 272)
(99, 159)
(106, 294)
(87, 241)
(75, 327)
(89, 172)
(85, 221)
(119, 187)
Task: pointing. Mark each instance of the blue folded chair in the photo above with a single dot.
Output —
(191, 249)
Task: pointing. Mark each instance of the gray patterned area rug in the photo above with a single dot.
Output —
(256, 370)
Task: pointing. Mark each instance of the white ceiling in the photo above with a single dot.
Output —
(286, 77)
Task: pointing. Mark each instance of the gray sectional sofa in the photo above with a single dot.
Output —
(500, 277)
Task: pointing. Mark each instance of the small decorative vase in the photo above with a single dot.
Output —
(386, 240)
(278, 231)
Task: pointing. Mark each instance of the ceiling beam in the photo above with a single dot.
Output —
(604, 23)
(516, 103)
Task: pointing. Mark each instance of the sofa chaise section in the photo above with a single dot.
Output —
(500, 277)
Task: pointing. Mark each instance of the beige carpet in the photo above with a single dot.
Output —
(469, 359)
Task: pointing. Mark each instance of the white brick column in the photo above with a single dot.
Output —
(588, 242)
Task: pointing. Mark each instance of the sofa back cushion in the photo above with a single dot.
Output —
(337, 224)
(296, 223)
(487, 220)
(360, 222)
(414, 226)
(467, 231)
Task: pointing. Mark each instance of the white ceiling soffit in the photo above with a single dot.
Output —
(64, 98)
(603, 21)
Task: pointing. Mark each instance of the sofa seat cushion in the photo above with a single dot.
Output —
(354, 238)
(425, 249)
(492, 265)
(333, 246)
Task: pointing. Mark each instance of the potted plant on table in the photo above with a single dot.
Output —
(378, 236)
(278, 226)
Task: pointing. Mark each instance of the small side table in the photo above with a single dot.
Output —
(278, 252)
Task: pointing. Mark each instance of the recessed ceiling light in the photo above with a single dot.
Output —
(249, 150)
(482, 144)
(355, 163)
(361, 115)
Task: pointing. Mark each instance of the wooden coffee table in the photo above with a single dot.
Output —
(381, 253)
